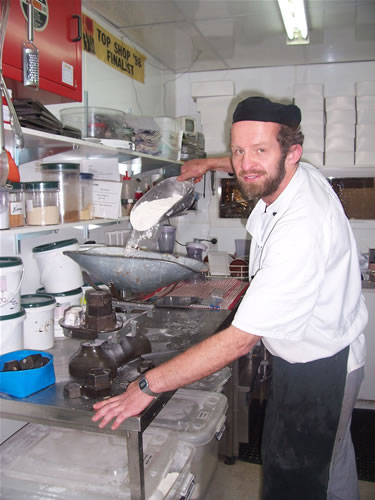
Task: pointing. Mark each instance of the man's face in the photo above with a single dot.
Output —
(257, 160)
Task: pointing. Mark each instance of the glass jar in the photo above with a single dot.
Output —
(127, 206)
(4, 207)
(67, 175)
(86, 182)
(42, 203)
(16, 205)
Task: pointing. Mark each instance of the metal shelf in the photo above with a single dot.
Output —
(40, 144)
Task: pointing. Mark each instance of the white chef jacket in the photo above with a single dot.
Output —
(305, 297)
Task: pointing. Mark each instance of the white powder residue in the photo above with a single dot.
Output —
(148, 213)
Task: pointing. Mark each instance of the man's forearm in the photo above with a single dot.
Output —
(201, 360)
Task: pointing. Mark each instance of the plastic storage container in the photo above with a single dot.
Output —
(38, 331)
(25, 382)
(86, 182)
(11, 331)
(16, 205)
(94, 122)
(58, 272)
(63, 301)
(67, 175)
(198, 417)
(47, 462)
(11, 274)
(4, 207)
(42, 203)
(167, 239)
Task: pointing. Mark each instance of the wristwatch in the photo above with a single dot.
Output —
(143, 385)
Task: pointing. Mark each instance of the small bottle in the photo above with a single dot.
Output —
(138, 193)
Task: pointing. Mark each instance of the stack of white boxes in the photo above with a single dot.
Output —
(309, 98)
(365, 130)
(340, 131)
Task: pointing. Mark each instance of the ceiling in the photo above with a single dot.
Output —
(204, 35)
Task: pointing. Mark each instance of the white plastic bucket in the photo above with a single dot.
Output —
(11, 274)
(38, 330)
(11, 332)
(58, 272)
(63, 301)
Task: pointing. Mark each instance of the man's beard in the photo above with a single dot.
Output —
(267, 187)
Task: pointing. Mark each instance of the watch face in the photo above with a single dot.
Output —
(143, 384)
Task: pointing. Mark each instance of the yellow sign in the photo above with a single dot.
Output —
(112, 50)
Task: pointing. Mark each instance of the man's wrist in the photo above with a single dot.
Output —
(144, 386)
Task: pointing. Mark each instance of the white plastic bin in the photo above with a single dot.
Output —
(38, 332)
(198, 417)
(58, 272)
(47, 462)
(63, 301)
(11, 332)
(11, 274)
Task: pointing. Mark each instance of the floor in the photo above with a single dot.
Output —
(241, 481)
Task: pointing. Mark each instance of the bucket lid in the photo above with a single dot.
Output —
(86, 175)
(15, 186)
(76, 291)
(37, 300)
(18, 314)
(41, 186)
(10, 261)
(53, 246)
(60, 166)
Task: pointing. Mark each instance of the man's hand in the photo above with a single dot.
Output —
(130, 403)
(194, 169)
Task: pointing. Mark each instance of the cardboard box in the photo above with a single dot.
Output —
(340, 158)
(339, 143)
(339, 103)
(344, 130)
(366, 102)
(313, 157)
(365, 88)
(365, 158)
(341, 116)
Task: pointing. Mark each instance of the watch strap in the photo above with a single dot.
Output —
(143, 385)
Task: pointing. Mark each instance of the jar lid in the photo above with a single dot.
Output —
(15, 185)
(60, 166)
(37, 300)
(41, 186)
(76, 291)
(86, 175)
(18, 314)
(10, 261)
(53, 246)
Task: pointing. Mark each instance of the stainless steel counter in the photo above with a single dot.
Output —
(184, 327)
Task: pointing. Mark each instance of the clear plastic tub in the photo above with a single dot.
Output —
(86, 184)
(42, 203)
(94, 122)
(47, 462)
(67, 175)
(198, 417)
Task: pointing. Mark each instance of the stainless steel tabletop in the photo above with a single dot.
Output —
(182, 328)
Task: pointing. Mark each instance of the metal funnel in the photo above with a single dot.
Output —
(134, 271)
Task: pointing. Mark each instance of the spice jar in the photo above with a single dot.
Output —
(4, 207)
(127, 206)
(16, 205)
(42, 203)
(67, 175)
(86, 196)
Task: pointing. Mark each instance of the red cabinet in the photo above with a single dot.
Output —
(57, 35)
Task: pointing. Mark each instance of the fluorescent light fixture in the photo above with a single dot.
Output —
(294, 18)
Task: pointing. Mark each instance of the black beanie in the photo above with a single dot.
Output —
(261, 109)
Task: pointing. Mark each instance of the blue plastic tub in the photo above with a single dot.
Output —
(25, 382)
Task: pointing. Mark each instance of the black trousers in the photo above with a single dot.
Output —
(300, 427)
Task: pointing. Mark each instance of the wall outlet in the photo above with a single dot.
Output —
(213, 244)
